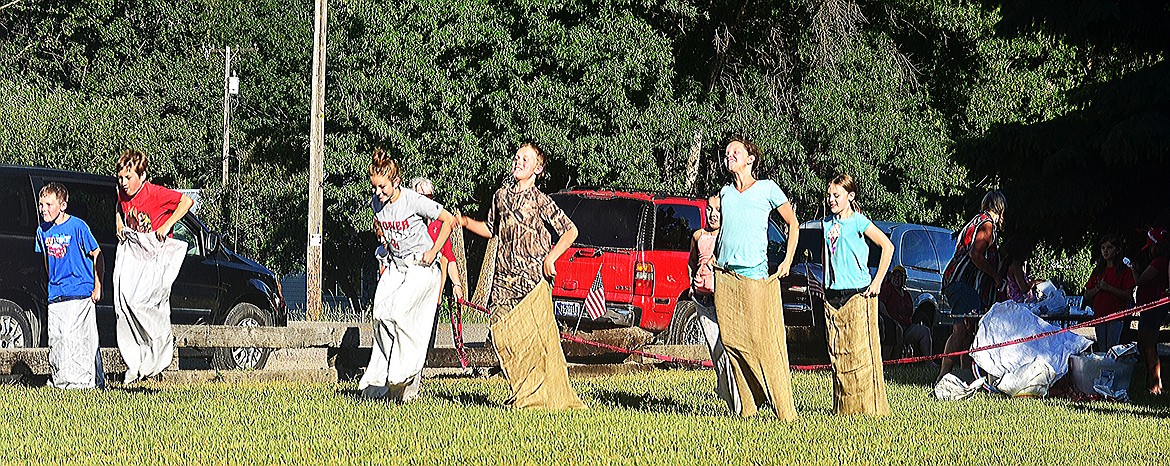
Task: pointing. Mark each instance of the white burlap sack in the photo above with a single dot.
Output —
(144, 271)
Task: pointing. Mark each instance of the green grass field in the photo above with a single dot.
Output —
(663, 417)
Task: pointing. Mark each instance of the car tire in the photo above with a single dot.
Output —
(15, 329)
(684, 325)
(244, 315)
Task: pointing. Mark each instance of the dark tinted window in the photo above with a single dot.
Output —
(94, 203)
(674, 226)
(917, 251)
(810, 242)
(607, 223)
(944, 243)
(18, 209)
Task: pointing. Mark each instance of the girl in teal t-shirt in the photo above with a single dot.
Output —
(846, 253)
(854, 346)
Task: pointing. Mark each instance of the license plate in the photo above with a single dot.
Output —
(567, 309)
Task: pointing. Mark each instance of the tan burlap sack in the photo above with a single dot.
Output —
(751, 324)
(529, 348)
(856, 356)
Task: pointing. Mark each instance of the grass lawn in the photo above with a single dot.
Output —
(664, 417)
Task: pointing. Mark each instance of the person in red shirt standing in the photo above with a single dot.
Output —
(1152, 286)
(1109, 290)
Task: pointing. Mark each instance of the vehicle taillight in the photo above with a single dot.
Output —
(644, 278)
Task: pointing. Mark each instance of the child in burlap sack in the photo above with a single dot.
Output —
(851, 303)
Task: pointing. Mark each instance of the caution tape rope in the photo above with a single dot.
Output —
(911, 360)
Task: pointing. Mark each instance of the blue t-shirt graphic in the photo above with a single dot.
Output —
(743, 237)
(847, 251)
(67, 247)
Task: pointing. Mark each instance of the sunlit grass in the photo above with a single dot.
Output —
(664, 417)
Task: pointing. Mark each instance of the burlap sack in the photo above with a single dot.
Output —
(528, 345)
(856, 356)
(751, 324)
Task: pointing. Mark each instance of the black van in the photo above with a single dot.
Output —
(214, 286)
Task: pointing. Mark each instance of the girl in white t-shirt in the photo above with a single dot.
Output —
(408, 286)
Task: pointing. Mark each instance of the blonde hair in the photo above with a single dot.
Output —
(382, 165)
(847, 183)
(133, 159)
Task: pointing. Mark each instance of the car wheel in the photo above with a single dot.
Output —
(15, 328)
(684, 326)
(243, 315)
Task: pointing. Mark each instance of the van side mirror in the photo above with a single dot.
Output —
(213, 242)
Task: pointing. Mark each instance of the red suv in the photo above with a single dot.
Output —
(640, 242)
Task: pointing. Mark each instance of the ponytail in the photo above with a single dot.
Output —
(382, 165)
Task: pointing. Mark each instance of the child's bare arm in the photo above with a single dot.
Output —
(184, 205)
(99, 272)
(475, 226)
(121, 226)
(444, 232)
(567, 239)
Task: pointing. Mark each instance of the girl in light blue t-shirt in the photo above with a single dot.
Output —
(846, 252)
(854, 346)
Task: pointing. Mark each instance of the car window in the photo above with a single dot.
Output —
(183, 233)
(674, 225)
(18, 209)
(811, 241)
(94, 203)
(917, 251)
(607, 223)
(944, 243)
(777, 245)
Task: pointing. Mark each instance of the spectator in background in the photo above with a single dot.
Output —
(1152, 285)
(972, 276)
(447, 265)
(897, 303)
(1109, 290)
(1014, 254)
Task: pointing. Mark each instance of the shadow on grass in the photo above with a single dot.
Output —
(911, 374)
(642, 402)
(467, 399)
(1135, 409)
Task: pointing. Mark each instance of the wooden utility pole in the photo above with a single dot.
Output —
(316, 164)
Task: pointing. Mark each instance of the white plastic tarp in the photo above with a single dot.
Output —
(1008, 321)
(144, 271)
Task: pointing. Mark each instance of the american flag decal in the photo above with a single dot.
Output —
(595, 300)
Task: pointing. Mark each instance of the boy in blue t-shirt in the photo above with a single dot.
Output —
(75, 267)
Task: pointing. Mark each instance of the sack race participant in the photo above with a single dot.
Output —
(747, 300)
(75, 267)
(851, 303)
(520, 258)
(406, 299)
(147, 264)
(702, 263)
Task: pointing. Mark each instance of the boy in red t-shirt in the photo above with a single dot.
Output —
(142, 206)
(146, 212)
